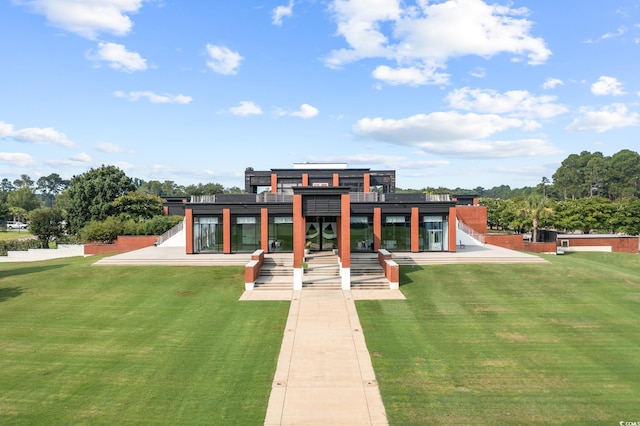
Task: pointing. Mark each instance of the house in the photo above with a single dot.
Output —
(322, 207)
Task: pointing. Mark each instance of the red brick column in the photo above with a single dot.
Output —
(345, 231)
(367, 182)
(377, 228)
(453, 230)
(298, 231)
(226, 231)
(264, 229)
(274, 183)
(336, 179)
(188, 230)
(415, 227)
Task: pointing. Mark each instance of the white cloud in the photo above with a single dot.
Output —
(153, 97)
(305, 111)
(383, 161)
(552, 83)
(118, 57)
(421, 39)
(245, 109)
(607, 86)
(87, 18)
(515, 103)
(35, 135)
(609, 117)
(109, 148)
(223, 60)
(16, 159)
(451, 133)
(282, 12)
(79, 160)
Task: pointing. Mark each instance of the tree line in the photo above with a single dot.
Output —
(97, 205)
(589, 192)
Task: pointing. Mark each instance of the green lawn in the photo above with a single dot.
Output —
(472, 344)
(82, 344)
(511, 344)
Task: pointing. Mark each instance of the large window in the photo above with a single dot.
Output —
(396, 233)
(434, 235)
(361, 233)
(245, 234)
(207, 235)
(280, 233)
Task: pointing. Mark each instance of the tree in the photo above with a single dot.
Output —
(536, 208)
(584, 214)
(24, 198)
(623, 174)
(46, 224)
(24, 181)
(626, 217)
(137, 206)
(91, 194)
(50, 186)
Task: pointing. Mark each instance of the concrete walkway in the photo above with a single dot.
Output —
(324, 374)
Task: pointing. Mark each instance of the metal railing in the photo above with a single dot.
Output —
(470, 231)
(170, 233)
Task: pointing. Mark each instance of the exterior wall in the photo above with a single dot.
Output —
(540, 247)
(122, 244)
(473, 216)
(513, 242)
(617, 244)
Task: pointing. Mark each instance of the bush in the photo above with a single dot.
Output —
(107, 230)
(18, 245)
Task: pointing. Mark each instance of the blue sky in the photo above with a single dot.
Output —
(453, 93)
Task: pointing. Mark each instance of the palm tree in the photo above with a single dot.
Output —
(536, 207)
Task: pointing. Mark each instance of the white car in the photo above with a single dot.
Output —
(16, 225)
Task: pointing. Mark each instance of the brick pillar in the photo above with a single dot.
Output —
(188, 230)
(336, 179)
(453, 230)
(264, 230)
(226, 231)
(377, 228)
(274, 183)
(305, 179)
(298, 231)
(345, 242)
(415, 230)
(367, 182)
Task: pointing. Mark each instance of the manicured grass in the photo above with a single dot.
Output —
(82, 344)
(14, 234)
(511, 344)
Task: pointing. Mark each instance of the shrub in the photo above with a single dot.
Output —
(18, 245)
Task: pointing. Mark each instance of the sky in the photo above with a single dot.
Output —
(448, 93)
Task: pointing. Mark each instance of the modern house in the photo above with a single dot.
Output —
(322, 207)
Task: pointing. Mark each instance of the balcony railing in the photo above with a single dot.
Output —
(356, 197)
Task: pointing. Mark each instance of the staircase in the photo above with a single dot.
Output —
(322, 272)
(276, 272)
(366, 272)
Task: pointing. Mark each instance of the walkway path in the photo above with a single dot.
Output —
(324, 374)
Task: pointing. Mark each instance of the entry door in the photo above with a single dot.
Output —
(322, 233)
(435, 240)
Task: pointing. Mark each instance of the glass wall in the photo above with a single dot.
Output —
(280, 234)
(245, 234)
(207, 235)
(361, 233)
(396, 233)
(434, 234)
